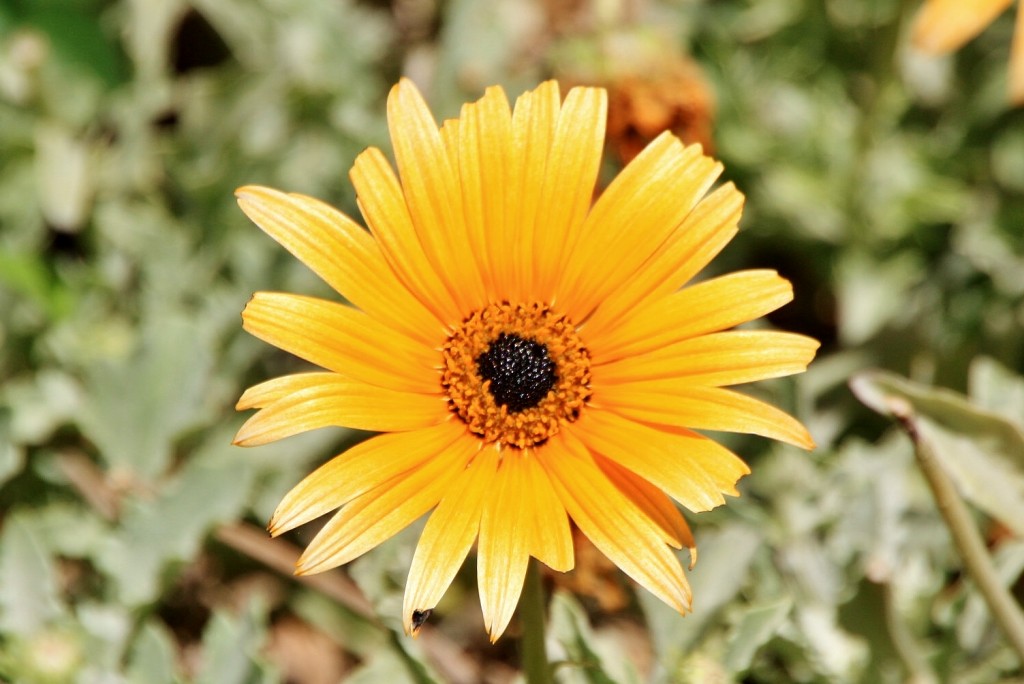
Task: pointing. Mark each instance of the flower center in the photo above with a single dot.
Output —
(514, 373)
(520, 371)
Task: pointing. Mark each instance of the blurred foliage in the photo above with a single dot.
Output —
(888, 186)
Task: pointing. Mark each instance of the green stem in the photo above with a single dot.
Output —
(1005, 609)
(536, 668)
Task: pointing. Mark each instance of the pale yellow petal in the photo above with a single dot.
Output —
(383, 512)
(361, 469)
(692, 469)
(717, 359)
(654, 503)
(1015, 77)
(433, 195)
(945, 25)
(383, 206)
(461, 144)
(569, 178)
(551, 541)
(342, 339)
(503, 549)
(619, 529)
(343, 254)
(485, 151)
(709, 306)
(694, 243)
(337, 401)
(448, 536)
(533, 125)
(634, 216)
(269, 391)
(704, 408)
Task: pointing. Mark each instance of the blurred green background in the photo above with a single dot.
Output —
(888, 186)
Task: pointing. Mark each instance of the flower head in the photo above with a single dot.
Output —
(532, 356)
(943, 26)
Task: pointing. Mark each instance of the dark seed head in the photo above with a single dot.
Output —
(520, 371)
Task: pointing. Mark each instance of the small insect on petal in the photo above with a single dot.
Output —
(419, 618)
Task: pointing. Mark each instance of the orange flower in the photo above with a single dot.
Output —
(530, 357)
(944, 26)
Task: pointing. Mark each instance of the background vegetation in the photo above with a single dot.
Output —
(887, 185)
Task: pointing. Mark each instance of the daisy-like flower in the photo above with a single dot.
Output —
(531, 356)
(943, 26)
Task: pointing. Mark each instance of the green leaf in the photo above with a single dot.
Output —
(12, 456)
(975, 624)
(153, 656)
(139, 405)
(28, 593)
(982, 451)
(171, 527)
(385, 665)
(872, 294)
(39, 404)
(569, 627)
(231, 646)
(995, 388)
(756, 626)
(722, 570)
(78, 38)
(108, 627)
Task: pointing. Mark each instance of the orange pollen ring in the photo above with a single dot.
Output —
(469, 394)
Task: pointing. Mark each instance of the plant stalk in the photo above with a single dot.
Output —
(1005, 609)
(536, 668)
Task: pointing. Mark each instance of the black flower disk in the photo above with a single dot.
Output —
(519, 370)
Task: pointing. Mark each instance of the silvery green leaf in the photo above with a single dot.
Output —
(722, 569)
(982, 451)
(29, 596)
(171, 527)
(138, 406)
(569, 627)
(153, 656)
(995, 388)
(231, 648)
(755, 627)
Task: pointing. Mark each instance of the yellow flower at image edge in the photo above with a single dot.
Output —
(943, 26)
(531, 356)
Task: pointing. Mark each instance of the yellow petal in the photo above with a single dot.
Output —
(340, 402)
(631, 219)
(1016, 75)
(945, 25)
(460, 143)
(706, 307)
(653, 502)
(448, 536)
(691, 246)
(383, 206)
(269, 391)
(692, 469)
(503, 549)
(725, 358)
(485, 149)
(619, 529)
(569, 178)
(343, 254)
(342, 339)
(533, 127)
(704, 408)
(360, 469)
(383, 512)
(433, 195)
(551, 540)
